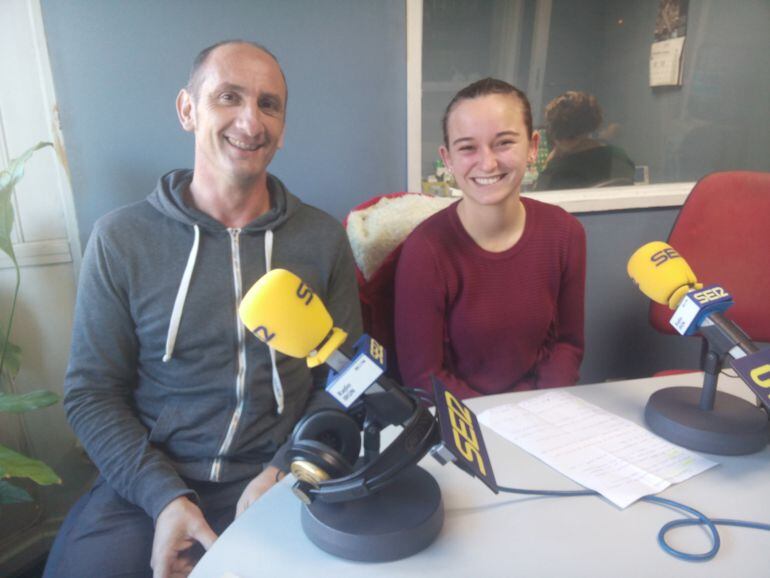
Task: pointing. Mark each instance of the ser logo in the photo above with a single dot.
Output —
(664, 255)
(754, 370)
(377, 352)
(304, 292)
(465, 438)
(710, 294)
(761, 375)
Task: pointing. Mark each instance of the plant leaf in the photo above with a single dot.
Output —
(15, 465)
(15, 169)
(12, 362)
(10, 494)
(6, 223)
(8, 179)
(20, 403)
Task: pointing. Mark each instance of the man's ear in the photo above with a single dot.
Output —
(185, 110)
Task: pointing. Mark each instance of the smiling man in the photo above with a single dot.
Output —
(183, 413)
(235, 103)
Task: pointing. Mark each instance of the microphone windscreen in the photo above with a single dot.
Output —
(284, 313)
(661, 273)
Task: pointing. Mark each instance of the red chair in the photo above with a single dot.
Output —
(723, 232)
(377, 229)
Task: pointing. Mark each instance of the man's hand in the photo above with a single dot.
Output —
(258, 486)
(179, 527)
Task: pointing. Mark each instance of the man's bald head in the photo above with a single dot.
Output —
(196, 73)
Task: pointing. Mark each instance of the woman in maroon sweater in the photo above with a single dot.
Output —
(489, 291)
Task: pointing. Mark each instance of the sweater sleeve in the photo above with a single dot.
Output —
(420, 320)
(565, 348)
(98, 388)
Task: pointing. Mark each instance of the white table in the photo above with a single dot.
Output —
(506, 535)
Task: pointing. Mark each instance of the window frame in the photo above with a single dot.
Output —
(573, 200)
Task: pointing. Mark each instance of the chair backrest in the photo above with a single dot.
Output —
(723, 232)
(377, 229)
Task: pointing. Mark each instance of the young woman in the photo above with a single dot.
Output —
(489, 291)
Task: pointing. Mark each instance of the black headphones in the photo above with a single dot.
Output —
(326, 445)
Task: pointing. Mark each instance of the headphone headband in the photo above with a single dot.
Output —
(419, 434)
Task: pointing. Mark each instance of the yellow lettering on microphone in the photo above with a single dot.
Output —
(465, 437)
(377, 351)
(761, 375)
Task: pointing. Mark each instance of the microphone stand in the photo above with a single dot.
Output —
(371, 443)
(705, 419)
(712, 365)
(398, 520)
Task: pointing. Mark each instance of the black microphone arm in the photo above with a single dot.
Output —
(725, 337)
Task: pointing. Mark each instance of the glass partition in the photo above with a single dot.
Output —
(717, 119)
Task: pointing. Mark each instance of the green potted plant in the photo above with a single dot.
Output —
(12, 463)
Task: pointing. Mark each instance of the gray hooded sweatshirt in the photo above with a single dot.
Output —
(164, 382)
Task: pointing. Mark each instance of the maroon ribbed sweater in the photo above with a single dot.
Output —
(492, 322)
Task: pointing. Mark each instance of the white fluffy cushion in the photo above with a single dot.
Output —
(376, 231)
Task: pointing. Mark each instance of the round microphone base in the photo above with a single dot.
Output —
(398, 521)
(733, 427)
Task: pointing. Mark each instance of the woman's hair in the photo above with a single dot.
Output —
(484, 87)
(571, 115)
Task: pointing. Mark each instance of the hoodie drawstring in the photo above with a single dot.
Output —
(181, 296)
(277, 386)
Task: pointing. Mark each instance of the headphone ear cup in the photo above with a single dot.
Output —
(333, 428)
(314, 462)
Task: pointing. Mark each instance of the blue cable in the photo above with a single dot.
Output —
(698, 519)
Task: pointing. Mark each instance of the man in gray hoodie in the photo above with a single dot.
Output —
(181, 410)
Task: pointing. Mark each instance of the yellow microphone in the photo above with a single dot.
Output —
(661, 273)
(282, 311)
(709, 420)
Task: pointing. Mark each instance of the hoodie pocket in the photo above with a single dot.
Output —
(190, 430)
(159, 431)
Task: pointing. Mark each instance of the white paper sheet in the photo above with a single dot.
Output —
(597, 449)
(666, 62)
